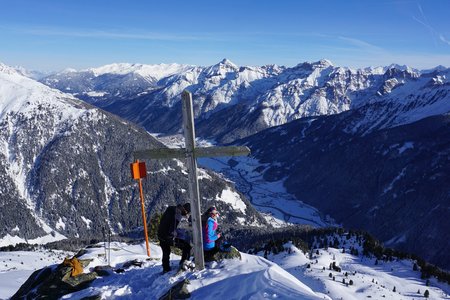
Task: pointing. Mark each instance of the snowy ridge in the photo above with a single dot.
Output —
(154, 72)
(7, 69)
(21, 94)
(24, 98)
(266, 95)
(289, 274)
(405, 103)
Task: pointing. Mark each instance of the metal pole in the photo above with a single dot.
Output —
(189, 136)
(109, 247)
(104, 244)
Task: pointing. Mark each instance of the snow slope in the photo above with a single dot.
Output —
(370, 280)
(17, 266)
(25, 99)
(251, 278)
(16, 91)
(154, 72)
(285, 275)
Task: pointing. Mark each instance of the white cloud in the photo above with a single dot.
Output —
(362, 44)
(442, 38)
(424, 22)
(126, 34)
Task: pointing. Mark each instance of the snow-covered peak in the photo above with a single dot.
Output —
(401, 68)
(227, 62)
(439, 68)
(4, 69)
(402, 71)
(154, 71)
(375, 70)
(20, 93)
(68, 70)
(221, 68)
(323, 63)
(380, 70)
(31, 73)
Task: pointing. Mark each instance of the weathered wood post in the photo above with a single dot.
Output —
(194, 193)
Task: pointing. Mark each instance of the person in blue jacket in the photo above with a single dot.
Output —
(211, 238)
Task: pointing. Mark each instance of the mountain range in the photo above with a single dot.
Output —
(369, 147)
(65, 169)
(246, 99)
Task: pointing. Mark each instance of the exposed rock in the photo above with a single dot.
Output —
(53, 282)
(177, 291)
(221, 255)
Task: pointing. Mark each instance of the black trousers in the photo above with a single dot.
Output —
(209, 254)
(185, 249)
(165, 247)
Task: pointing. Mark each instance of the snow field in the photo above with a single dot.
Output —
(361, 270)
(285, 275)
(17, 266)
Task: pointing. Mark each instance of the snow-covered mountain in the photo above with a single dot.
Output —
(64, 169)
(33, 74)
(389, 180)
(118, 81)
(246, 99)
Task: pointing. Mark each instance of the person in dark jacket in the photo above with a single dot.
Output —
(167, 234)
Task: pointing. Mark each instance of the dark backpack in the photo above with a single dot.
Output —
(225, 246)
(204, 219)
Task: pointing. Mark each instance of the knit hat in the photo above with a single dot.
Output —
(213, 210)
(187, 207)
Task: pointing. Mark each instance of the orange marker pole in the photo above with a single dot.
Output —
(143, 217)
(139, 171)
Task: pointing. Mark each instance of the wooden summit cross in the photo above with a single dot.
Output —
(190, 152)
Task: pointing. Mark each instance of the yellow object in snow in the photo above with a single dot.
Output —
(74, 263)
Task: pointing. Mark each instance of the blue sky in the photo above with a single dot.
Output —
(53, 35)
